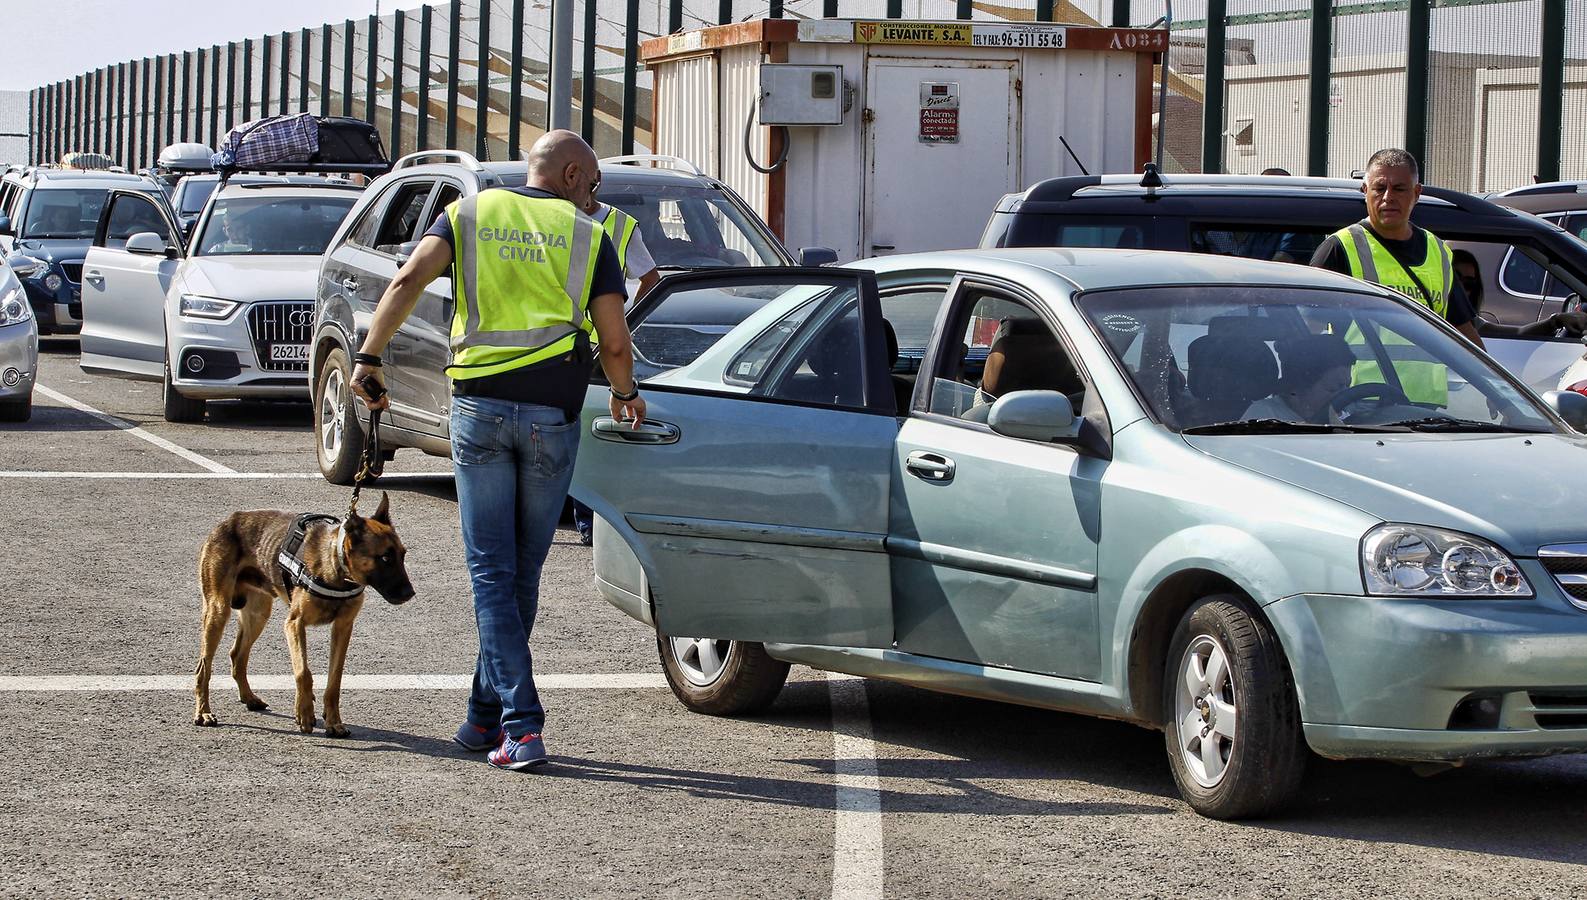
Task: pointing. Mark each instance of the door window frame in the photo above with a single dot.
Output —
(967, 289)
(173, 238)
(382, 205)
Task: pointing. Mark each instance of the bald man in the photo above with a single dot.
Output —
(520, 367)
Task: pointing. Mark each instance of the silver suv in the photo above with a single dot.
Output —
(688, 221)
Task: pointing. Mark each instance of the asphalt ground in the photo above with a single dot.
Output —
(843, 788)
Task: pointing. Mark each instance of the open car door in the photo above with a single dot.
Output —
(126, 275)
(755, 493)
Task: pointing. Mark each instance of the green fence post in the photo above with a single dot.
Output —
(1043, 10)
(349, 35)
(587, 95)
(455, 25)
(325, 69)
(1551, 90)
(482, 91)
(1418, 76)
(515, 86)
(1322, 34)
(421, 123)
(398, 53)
(247, 79)
(1121, 13)
(630, 73)
(1212, 97)
(371, 70)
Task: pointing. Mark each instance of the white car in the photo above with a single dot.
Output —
(229, 317)
(19, 349)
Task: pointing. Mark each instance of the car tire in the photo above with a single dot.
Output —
(1224, 659)
(17, 410)
(177, 407)
(338, 439)
(721, 678)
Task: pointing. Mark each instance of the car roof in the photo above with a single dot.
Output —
(619, 172)
(1555, 196)
(1050, 194)
(46, 179)
(283, 187)
(1091, 269)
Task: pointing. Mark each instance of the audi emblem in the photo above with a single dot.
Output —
(300, 318)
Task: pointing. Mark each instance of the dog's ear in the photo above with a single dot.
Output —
(383, 511)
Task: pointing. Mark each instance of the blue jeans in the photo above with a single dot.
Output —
(513, 462)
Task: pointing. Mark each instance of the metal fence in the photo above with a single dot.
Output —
(1484, 91)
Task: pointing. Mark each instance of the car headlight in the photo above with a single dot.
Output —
(206, 307)
(28, 266)
(53, 282)
(1419, 561)
(14, 307)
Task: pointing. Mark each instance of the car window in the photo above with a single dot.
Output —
(402, 216)
(692, 227)
(1257, 242)
(1221, 356)
(1130, 232)
(280, 226)
(1021, 353)
(64, 213)
(132, 214)
(786, 341)
(911, 314)
(195, 193)
(385, 215)
(445, 196)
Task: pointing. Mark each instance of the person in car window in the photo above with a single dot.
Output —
(1385, 248)
(1314, 368)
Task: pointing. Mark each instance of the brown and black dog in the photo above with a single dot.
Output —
(238, 569)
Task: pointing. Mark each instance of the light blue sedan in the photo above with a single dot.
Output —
(1270, 510)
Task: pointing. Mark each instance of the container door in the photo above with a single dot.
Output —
(755, 491)
(941, 149)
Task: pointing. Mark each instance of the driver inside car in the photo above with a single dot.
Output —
(1314, 368)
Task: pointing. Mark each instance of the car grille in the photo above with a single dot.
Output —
(675, 345)
(73, 271)
(1559, 709)
(270, 324)
(1568, 564)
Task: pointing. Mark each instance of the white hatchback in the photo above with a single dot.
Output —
(229, 317)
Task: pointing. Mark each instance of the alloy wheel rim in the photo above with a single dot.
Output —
(331, 400)
(1205, 710)
(700, 659)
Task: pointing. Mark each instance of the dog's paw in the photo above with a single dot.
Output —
(255, 704)
(306, 725)
(206, 719)
(338, 730)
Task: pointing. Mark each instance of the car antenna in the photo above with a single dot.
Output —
(1073, 156)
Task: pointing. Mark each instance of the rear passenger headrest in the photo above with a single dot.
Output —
(1231, 368)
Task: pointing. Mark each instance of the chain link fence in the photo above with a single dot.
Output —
(1490, 94)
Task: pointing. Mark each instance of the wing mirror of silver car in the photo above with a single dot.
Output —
(148, 243)
(405, 250)
(817, 256)
(1571, 406)
(1036, 415)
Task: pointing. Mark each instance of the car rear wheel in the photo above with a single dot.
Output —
(16, 410)
(720, 678)
(338, 439)
(177, 407)
(1232, 724)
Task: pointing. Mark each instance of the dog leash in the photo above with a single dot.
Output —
(366, 466)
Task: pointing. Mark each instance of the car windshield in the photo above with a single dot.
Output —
(689, 227)
(1245, 359)
(195, 193)
(64, 213)
(279, 226)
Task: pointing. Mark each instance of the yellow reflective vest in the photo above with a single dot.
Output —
(619, 226)
(523, 268)
(1422, 380)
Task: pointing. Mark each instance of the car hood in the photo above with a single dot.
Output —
(53, 249)
(252, 277)
(1517, 490)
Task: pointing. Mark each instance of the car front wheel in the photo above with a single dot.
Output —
(1232, 723)
(177, 407)
(720, 678)
(338, 439)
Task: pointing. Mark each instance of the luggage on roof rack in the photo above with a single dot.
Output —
(302, 143)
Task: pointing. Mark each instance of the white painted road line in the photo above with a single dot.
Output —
(121, 683)
(134, 430)
(857, 864)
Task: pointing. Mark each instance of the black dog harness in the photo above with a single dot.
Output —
(295, 573)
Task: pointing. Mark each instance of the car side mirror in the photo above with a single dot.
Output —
(5, 226)
(1571, 406)
(1036, 415)
(151, 244)
(405, 250)
(817, 256)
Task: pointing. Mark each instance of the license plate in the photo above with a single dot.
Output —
(289, 352)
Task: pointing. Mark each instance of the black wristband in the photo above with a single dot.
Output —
(624, 398)
(366, 359)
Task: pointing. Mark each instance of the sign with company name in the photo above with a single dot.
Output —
(912, 33)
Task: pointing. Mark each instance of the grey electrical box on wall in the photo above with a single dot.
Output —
(801, 95)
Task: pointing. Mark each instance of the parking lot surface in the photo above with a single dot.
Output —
(844, 788)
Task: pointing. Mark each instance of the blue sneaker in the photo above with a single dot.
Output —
(520, 753)
(474, 738)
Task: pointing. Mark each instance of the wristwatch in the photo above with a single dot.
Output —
(631, 395)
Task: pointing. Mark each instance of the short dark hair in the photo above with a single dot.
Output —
(1275, 170)
(1307, 357)
(1395, 158)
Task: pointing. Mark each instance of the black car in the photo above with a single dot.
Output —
(1286, 218)
(47, 222)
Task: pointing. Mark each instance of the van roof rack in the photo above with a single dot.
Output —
(412, 159)
(658, 160)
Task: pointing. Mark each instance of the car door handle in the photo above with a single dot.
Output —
(929, 466)
(607, 428)
(93, 277)
(350, 283)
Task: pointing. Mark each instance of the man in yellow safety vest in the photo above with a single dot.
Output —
(533, 277)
